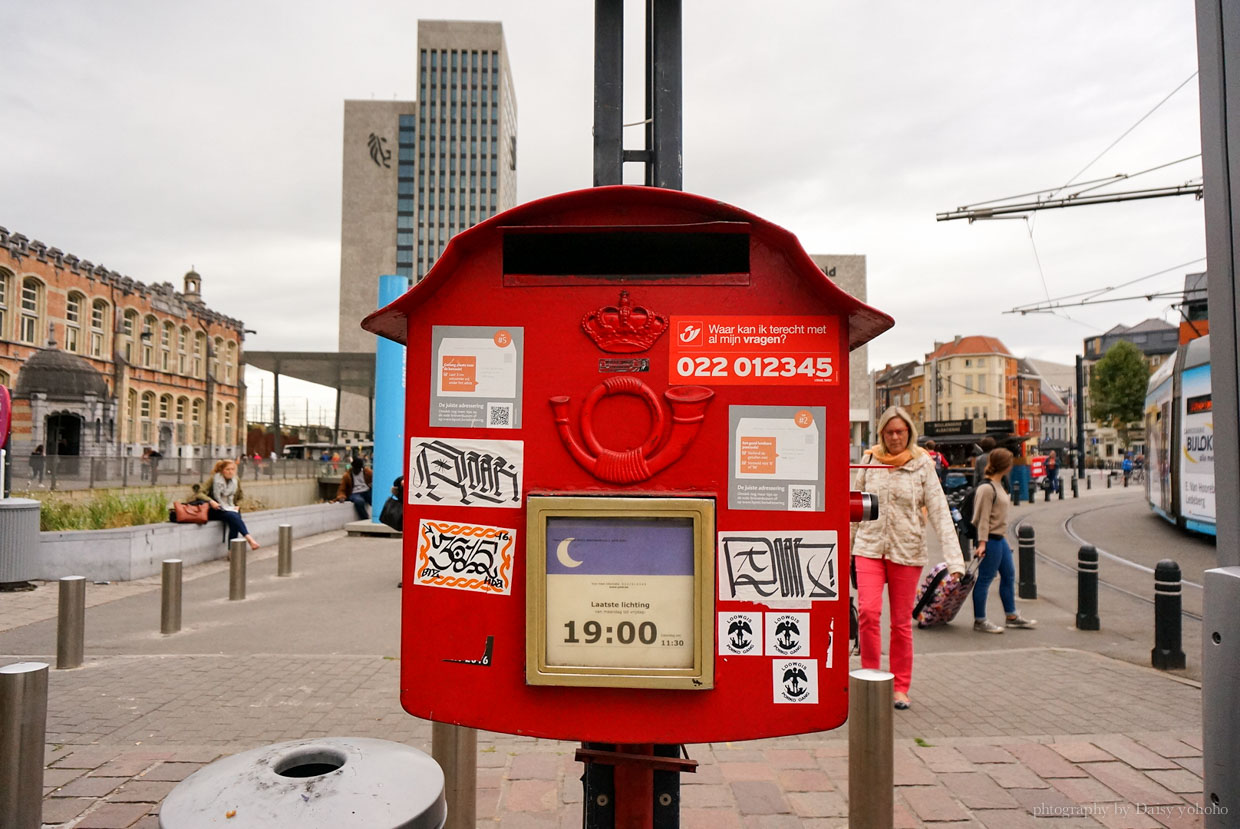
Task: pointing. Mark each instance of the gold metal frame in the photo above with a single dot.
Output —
(702, 510)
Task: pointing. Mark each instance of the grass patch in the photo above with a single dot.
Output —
(103, 512)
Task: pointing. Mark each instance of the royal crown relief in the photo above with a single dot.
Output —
(626, 328)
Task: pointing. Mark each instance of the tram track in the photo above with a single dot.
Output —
(1066, 525)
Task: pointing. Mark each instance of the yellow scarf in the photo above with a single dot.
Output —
(898, 459)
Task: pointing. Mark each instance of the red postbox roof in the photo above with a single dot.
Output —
(620, 207)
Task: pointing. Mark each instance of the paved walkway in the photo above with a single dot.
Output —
(1004, 732)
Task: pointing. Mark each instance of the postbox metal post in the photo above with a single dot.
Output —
(1168, 654)
(285, 563)
(871, 752)
(170, 597)
(23, 732)
(71, 622)
(1027, 584)
(1087, 588)
(236, 569)
(455, 749)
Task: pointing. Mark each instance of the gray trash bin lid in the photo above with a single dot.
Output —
(324, 783)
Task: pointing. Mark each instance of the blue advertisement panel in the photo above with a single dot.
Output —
(389, 403)
(1197, 444)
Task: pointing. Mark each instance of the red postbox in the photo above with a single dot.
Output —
(627, 474)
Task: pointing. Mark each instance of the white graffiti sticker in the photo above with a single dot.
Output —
(787, 634)
(794, 680)
(466, 473)
(768, 567)
(740, 634)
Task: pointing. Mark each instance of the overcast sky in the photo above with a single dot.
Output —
(155, 136)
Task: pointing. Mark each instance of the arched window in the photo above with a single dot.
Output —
(6, 285)
(99, 319)
(217, 367)
(148, 403)
(4, 379)
(181, 403)
(32, 310)
(228, 425)
(165, 407)
(129, 330)
(196, 417)
(183, 350)
(73, 321)
(200, 347)
(149, 326)
(131, 412)
(165, 346)
(230, 362)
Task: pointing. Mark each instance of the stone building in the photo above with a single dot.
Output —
(102, 365)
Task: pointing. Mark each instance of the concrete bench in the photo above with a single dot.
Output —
(129, 553)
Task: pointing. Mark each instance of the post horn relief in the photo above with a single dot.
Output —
(662, 447)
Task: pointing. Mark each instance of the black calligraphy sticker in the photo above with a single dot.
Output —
(466, 473)
(767, 566)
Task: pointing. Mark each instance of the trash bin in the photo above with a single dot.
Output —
(19, 539)
(312, 784)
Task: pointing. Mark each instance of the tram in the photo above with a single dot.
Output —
(1179, 439)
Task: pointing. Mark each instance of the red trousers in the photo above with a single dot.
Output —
(901, 581)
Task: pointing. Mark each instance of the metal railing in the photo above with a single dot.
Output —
(63, 472)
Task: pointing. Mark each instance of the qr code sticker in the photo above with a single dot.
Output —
(801, 498)
(499, 415)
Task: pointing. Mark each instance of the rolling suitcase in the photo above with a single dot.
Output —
(939, 598)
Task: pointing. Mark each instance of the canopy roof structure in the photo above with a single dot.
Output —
(344, 371)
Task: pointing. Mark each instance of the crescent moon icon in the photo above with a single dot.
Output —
(561, 554)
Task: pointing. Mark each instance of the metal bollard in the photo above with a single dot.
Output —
(1089, 481)
(1087, 588)
(1167, 655)
(285, 563)
(1048, 494)
(1059, 487)
(1027, 583)
(1076, 490)
(1108, 480)
(236, 569)
(23, 732)
(71, 622)
(455, 749)
(871, 753)
(1015, 495)
(170, 597)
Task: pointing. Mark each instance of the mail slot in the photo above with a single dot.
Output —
(627, 474)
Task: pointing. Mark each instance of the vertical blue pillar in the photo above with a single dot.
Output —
(389, 403)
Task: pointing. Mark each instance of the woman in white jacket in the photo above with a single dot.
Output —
(891, 550)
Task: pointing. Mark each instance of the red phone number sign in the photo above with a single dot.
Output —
(754, 351)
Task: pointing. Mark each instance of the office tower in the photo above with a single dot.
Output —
(416, 173)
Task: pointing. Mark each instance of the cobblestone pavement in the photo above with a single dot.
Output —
(1033, 734)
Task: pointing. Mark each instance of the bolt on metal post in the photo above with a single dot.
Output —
(71, 622)
(1168, 654)
(170, 597)
(1087, 588)
(455, 749)
(23, 732)
(285, 562)
(871, 751)
(1027, 583)
(236, 569)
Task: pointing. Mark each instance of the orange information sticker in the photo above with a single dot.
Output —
(757, 455)
(755, 351)
(460, 373)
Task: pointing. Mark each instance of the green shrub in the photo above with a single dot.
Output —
(103, 512)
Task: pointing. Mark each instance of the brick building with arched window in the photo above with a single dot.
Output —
(114, 366)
